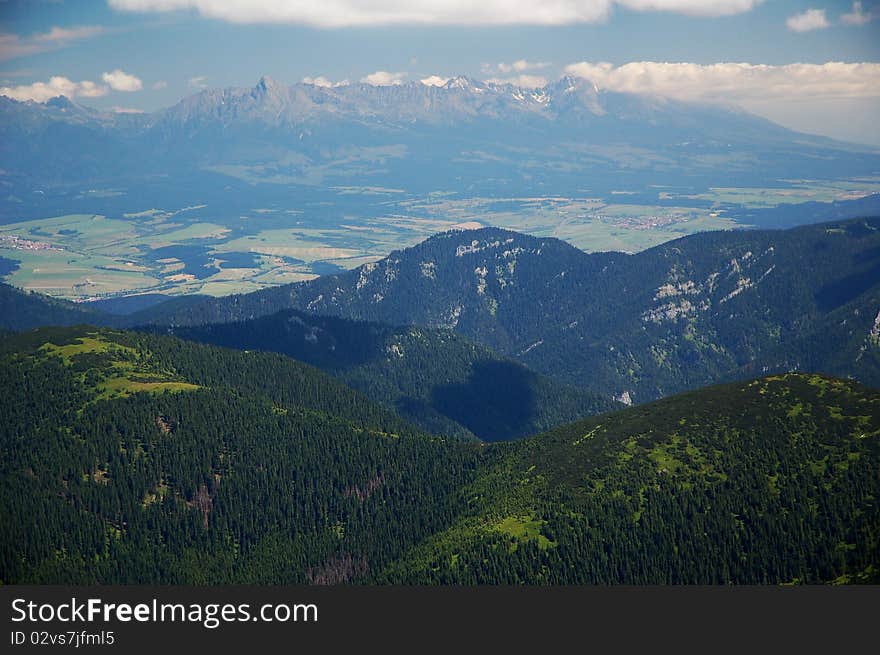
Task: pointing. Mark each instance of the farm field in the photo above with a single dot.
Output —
(212, 249)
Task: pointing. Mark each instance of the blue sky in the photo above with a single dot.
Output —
(149, 58)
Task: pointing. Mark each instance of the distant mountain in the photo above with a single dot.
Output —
(467, 135)
(694, 311)
(434, 378)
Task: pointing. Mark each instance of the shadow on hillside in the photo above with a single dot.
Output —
(496, 403)
(323, 341)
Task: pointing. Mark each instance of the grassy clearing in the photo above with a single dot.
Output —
(89, 344)
(119, 387)
(523, 529)
(115, 370)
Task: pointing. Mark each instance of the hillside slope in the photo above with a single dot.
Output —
(150, 459)
(21, 310)
(769, 481)
(435, 378)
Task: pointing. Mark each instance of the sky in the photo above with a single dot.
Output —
(810, 65)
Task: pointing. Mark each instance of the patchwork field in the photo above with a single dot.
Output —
(218, 250)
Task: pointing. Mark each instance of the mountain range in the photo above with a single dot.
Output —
(469, 136)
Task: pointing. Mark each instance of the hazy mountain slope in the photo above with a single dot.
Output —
(769, 481)
(687, 313)
(681, 315)
(435, 378)
(20, 310)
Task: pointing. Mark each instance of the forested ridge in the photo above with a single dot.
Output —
(145, 458)
(773, 480)
(21, 310)
(235, 467)
(435, 378)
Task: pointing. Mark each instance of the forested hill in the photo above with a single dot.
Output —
(768, 481)
(150, 459)
(682, 315)
(153, 460)
(435, 378)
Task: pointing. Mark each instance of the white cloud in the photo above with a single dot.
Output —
(519, 66)
(199, 82)
(384, 78)
(693, 7)
(342, 13)
(56, 86)
(434, 80)
(119, 80)
(857, 16)
(522, 65)
(811, 19)
(524, 81)
(504, 73)
(13, 45)
(161, 84)
(323, 82)
(125, 110)
(66, 34)
(733, 83)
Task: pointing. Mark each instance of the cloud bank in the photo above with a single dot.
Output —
(348, 13)
(519, 66)
(322, 81)
(434, 80)
(734, 83)
(56, 86)
(515, 73)
(524, 81)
